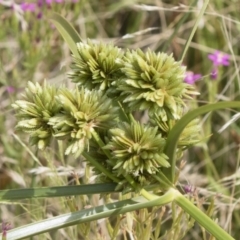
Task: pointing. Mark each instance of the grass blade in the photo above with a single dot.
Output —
(87, 215)
(194, 30)
(171, 143)
(67, 31)
(177, 27)
(61, 191)
(205, 221)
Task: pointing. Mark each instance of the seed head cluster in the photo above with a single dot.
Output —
(97, 116)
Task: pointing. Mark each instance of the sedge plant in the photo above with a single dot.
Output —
(98, 121)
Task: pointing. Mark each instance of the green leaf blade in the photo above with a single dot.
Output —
(67, 31)
(60, 191)
(86, 215)
(173, 137)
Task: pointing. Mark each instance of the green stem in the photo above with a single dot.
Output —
(177, 27)
(194, 29)
(100, 167)
(212, 90)
(87, 215)
(172, 140)
(210, 168)
(163, 180)
(101, 144)
(148, 195)
(122, 114)
(61, 152)
(205, 221)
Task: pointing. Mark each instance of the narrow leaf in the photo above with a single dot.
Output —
(67, 31)
(202, 218)
(194, 29)
(173, 137)
(87, 215)
(61, 191)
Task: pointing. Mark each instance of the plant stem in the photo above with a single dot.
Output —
(148, 195)
(101, 144)
(194, 29)
(100, 167)
(177, 27)
(171, 143)
(205, 221)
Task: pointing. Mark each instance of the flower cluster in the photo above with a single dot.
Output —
(28, 7)
(48, 112)
(36, 7)
(218, 59)
(97, 66)
(137, 150)
(154, 82)
(10, 89)
(34, 112)
(82, 112)
(89, 118)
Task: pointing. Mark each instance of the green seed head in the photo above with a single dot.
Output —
(154, 82)
(137, 150)
(97, 66)
(83, 111)
(34, 112)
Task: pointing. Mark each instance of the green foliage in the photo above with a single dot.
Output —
(118, 80)
(136, 149)
(70, 35)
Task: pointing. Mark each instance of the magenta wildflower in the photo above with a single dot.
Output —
(10, 89)
(5, 227)
(188, 189)
(48, 2)
(40, 3)
(39, 15)
(28, 7)
(219, 58)
(191, 78)
(214, 73)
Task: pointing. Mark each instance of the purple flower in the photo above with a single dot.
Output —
(48, 2)
(189, 189)
(5, 227)
(214, 73)
(191, 78)
(39, 15)
(40, 3)
(28, 7)
(219, 58)
(10, 89)
(36, 7)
